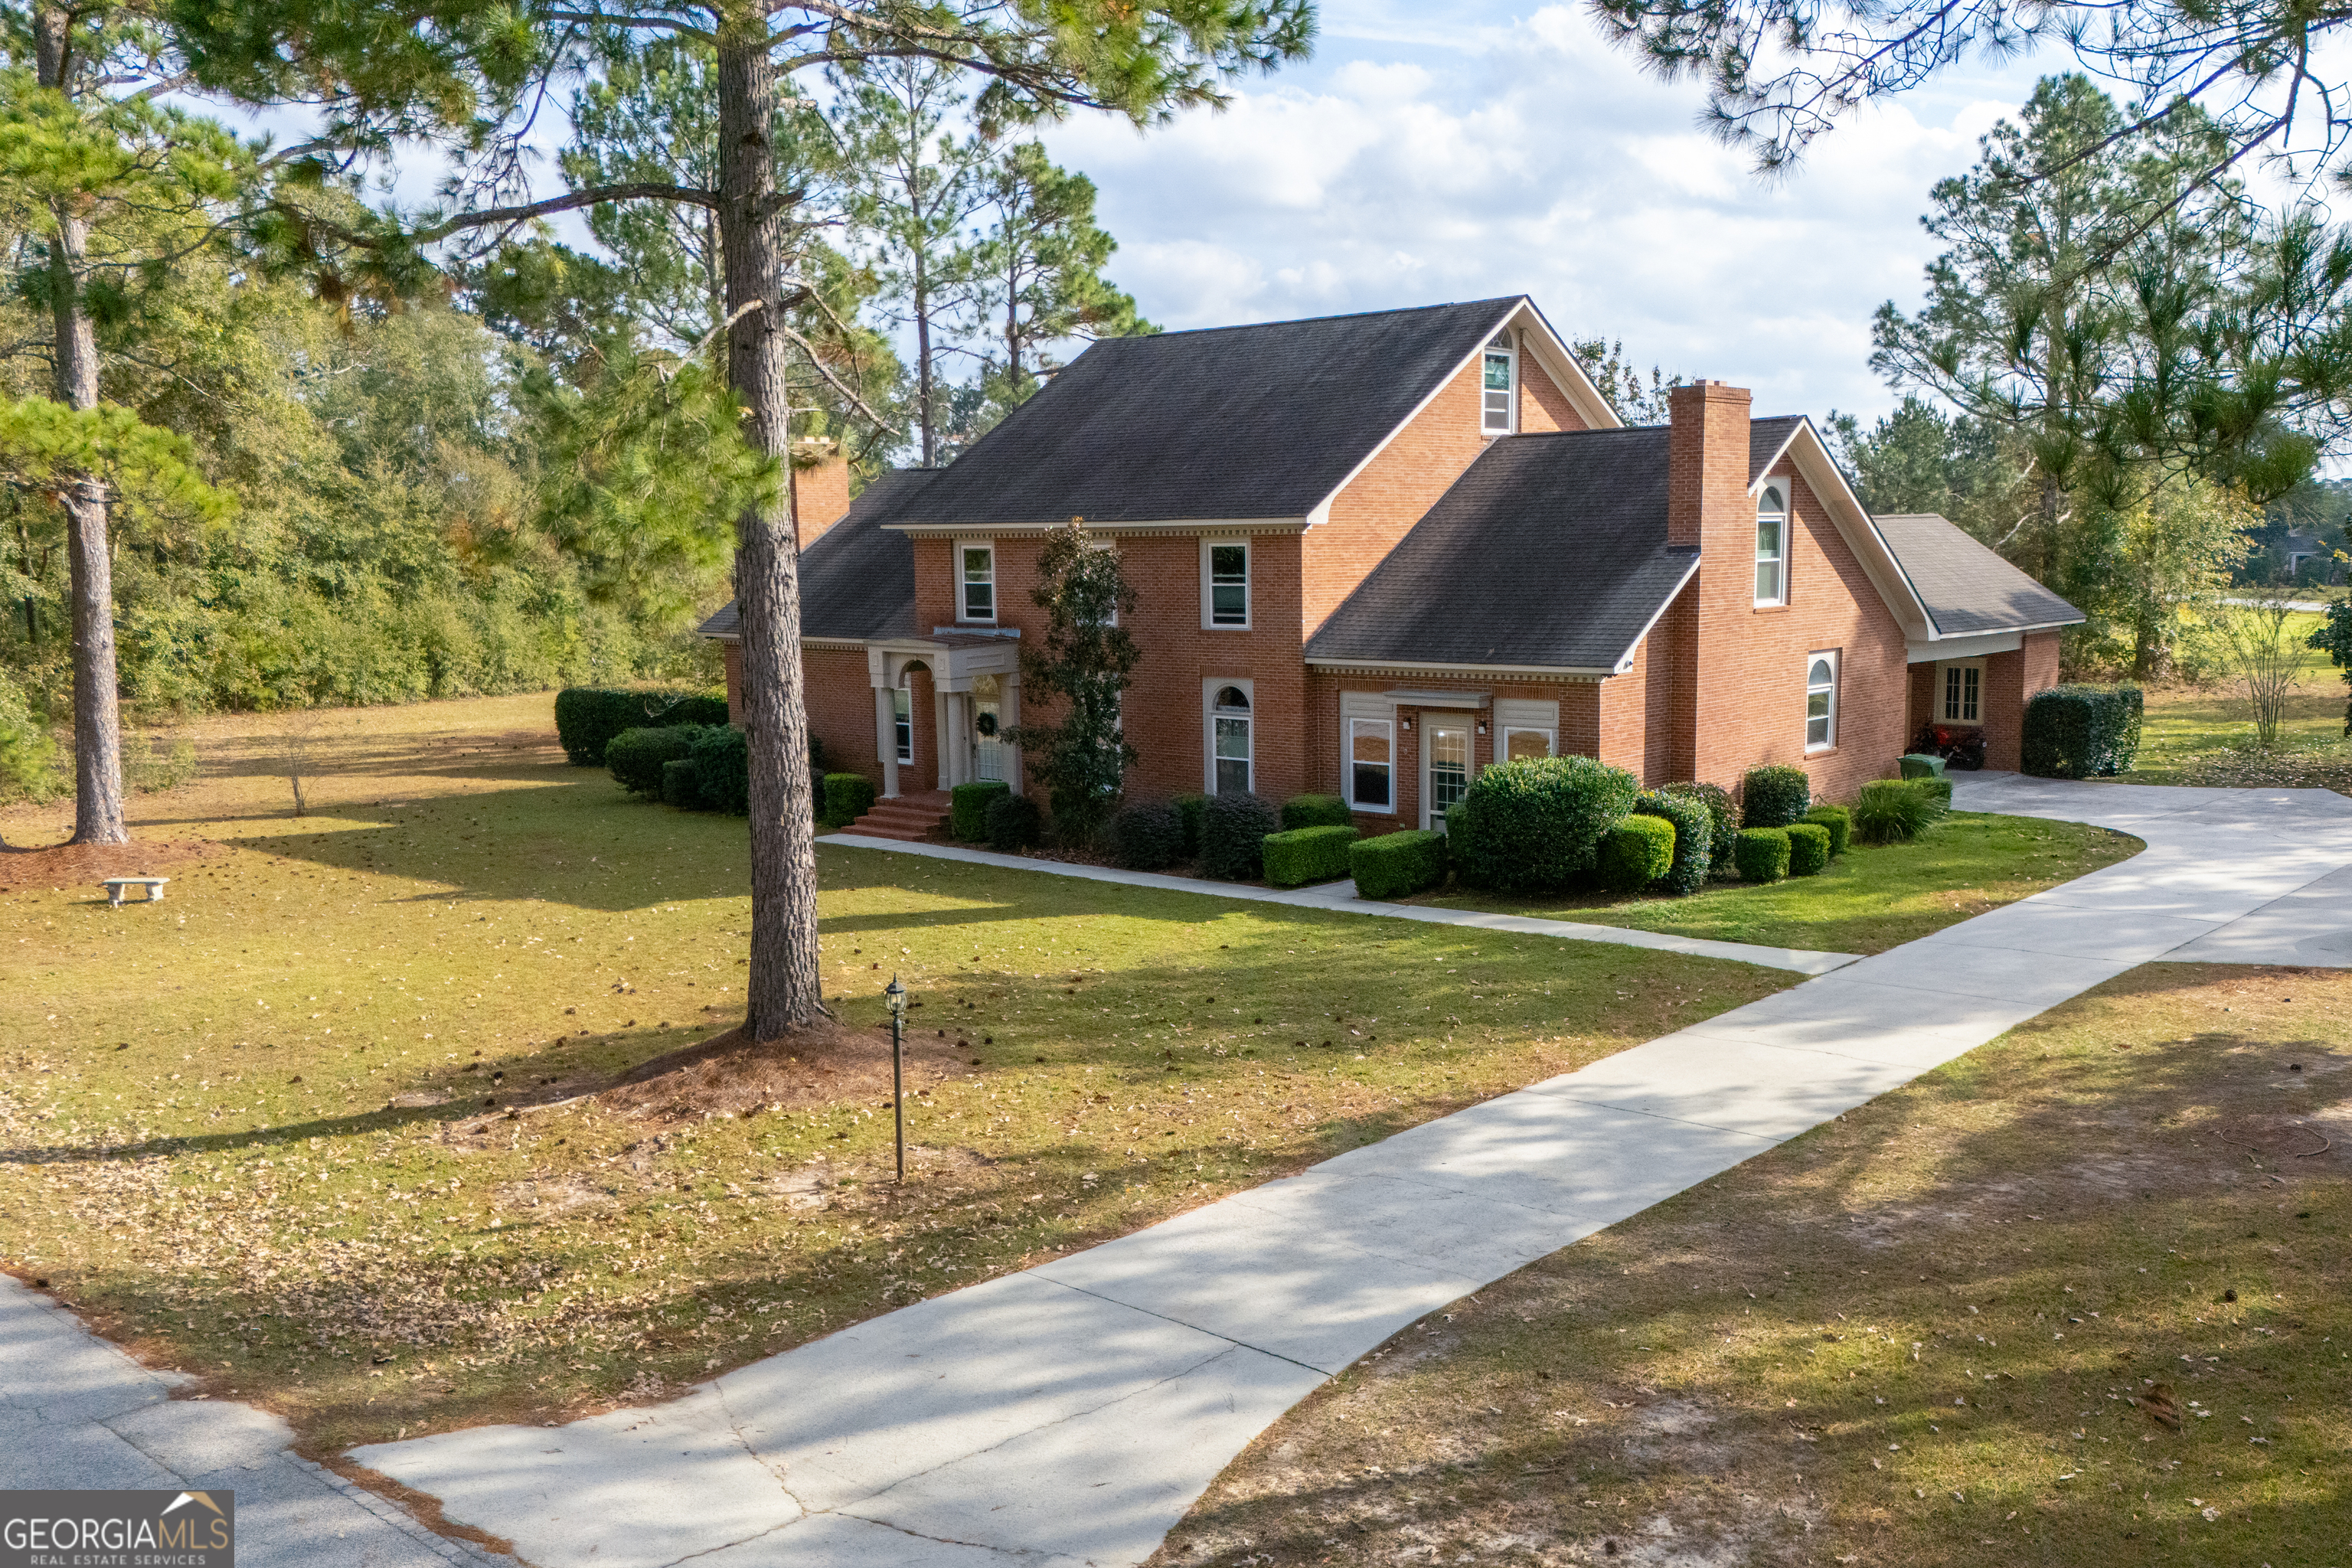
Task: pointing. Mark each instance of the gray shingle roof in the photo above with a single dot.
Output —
(857, 580)
(1765, 439)
(1966, 587)
(1550, 551)
(1232, 422)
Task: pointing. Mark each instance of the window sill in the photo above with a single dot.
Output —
(1770, 609)
(1812, 751)
(1223, 626)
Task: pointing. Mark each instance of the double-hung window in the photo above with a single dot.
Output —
(1226, 563)
(976, 575)
(1371, 765)
(1963, 684)
(1496, 385)
(1229, 735)
(902, 722)
(1821, 700)
(1772, 546)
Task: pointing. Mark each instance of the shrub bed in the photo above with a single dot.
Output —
(1894, 811)
(1723, 822)
(1014, 823)
(848, 797)
(1808, 849)
(1146, 836)
(968, 806)
(1191, 809)
(588, 717)
(1775, 796)
(2077, 732)
(1838, 820)
(1395, 865)
(1761, 852)
(1635, 853)
(1233, 836)
(679, 787)
(1694, 840)
(722, 769)
(1315, 811)
(1298, 855)
(635, 757)
(1533, 825)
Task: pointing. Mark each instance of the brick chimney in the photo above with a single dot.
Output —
(1706, 633)
(819, 488)
(1706, 463)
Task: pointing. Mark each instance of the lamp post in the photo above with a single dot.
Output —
(896, 995)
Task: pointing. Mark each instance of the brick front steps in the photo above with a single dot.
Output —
(910, 819)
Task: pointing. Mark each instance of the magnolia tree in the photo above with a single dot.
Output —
(1087, 660)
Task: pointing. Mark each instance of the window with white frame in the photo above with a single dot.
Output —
(902, 722)
(1963, 687)
(1371, 765)
(976, 573)
(1226, 564)
(1229, 742)
(1772, 546)
(1527, 743)
(1497, 383)
(1821, 700)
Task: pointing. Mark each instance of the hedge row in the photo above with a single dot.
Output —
(1395, 865)
(2081, 731)
(588, 717)
(1298, 855)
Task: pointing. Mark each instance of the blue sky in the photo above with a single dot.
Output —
(1430, 154)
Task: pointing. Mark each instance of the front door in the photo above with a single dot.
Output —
(1444, 765)
(987, 739)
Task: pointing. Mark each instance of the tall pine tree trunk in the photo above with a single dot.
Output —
(98, 719)
(784, 989)
(923, 389)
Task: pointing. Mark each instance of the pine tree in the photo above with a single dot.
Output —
(1040, 269)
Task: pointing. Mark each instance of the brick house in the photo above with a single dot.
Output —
(1375, 553)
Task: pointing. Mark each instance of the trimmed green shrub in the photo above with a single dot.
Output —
(1233, 836)
(1808, 849)
(588, 717)
(1298, 855)
(1722, 823)
(1920, 765)
(1146, 836)
(1761, 852)
(1840, 823)
(1693, 839)
(1014, 823)
(1635, 853)
(678, 786)
(1894, 811)
(722, 769)
(1775, 796)
(1397, 863)
(848, 797)
(1315, 811)
(1190, 810)
(1534, 824)
(968, 806)
(2081, 731)
(635, 757)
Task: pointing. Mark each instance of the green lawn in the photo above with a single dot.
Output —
(2207, 737)
(2082, 1297)
(262, 1130)
(1870, 899)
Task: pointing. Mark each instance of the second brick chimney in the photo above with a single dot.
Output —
(819, 488)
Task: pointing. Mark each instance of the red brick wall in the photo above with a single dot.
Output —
(730, 654)
(2011, 681)
(1542, 405)
(820, 496)
(1922, 705)
(841, 710)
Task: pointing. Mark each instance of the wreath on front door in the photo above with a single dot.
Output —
(986, 725)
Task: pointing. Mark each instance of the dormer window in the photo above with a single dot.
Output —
(1499, 386)
(1772, 546)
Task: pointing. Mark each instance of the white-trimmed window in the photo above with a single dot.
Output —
(1772, 545)
(1524, 742)
(1821, 700)
(1226, 582)
(1231, 748)
(975, 580)
(1963, 693)
(1498, 386)
(902, 722)
(1370, 763)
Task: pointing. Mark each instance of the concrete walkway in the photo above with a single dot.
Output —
(1070, 1415)
(1342, 896)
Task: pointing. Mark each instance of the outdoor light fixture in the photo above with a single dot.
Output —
(896, 995)
(1406, 725)
(1482, 726)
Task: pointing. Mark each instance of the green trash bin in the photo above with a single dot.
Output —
(1916, 765)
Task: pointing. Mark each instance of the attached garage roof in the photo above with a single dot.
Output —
(1965, 586)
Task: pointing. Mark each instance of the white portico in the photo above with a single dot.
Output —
(975, 678)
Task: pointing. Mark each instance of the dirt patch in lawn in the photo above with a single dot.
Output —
(71, 866)
(728, 1075)
(2079, 1297)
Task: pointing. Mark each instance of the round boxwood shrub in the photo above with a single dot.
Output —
(1840, 823)
(1315, 811)
(1014, 823)
(1533, 825)
(1693, 839)
(722, 769)
(678, 787)
(635, 757)
(1761, 852)
(1808, 849)
(968, 806)
(1635, 853)
(1233, 836)
(1723, 821)
(1775, 796)
(1146, 836)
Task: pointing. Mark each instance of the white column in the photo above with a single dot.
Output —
(940, 709)
(885, 731)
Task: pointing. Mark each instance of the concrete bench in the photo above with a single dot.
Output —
(115, 886)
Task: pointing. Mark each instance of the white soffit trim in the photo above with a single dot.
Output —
(1818, 469)
(1157, 525)
(1625, 660)
(1404, 669)
(1550, 351)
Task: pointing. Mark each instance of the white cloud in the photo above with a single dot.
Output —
(1529, 155)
